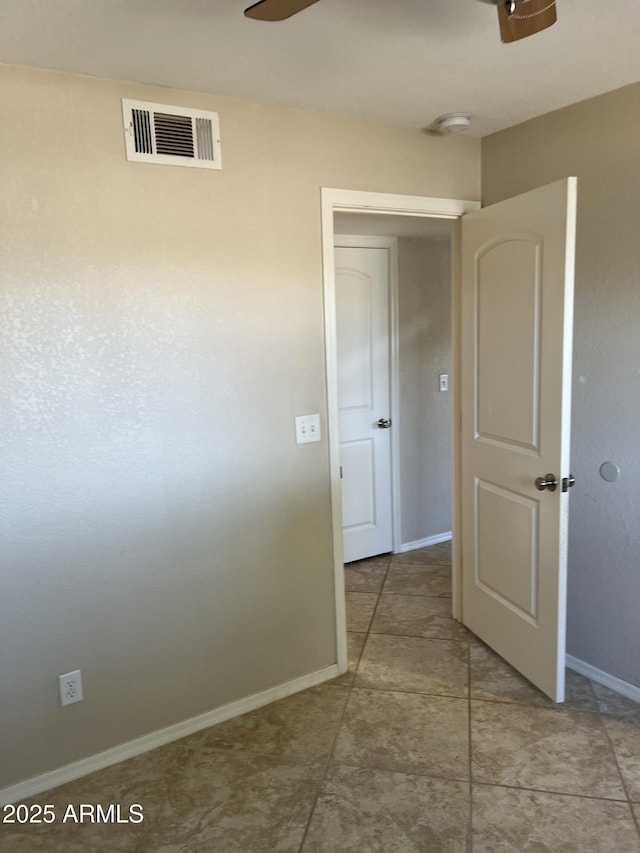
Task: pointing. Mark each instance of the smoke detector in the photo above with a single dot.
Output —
(452, 123)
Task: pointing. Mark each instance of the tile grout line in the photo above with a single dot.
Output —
(416, 636)
(452, 640)
(552, 792)
(418, 595)
(327, 765)
(411, 692)
(521, 703)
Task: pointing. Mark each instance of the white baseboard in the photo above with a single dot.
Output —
(601, 677)
(424, 543)
(45, 781)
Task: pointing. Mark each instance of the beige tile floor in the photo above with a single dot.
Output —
(429, 743)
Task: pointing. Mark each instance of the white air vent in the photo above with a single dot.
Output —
(157, 133)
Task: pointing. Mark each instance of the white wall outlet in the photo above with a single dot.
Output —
(444, 381)
(307, 429)
(70, 685)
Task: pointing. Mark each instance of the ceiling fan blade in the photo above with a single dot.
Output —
(528, 18)
(276, 10)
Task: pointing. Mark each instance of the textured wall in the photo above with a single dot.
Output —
(161, 327)
(599, 141)
(426, 437)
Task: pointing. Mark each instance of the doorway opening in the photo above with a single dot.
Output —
(393, 305)
(345, 211)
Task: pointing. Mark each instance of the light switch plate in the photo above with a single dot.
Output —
(307, 429)
(444, 381)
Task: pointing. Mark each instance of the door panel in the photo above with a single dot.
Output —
(509, 525)
(362, 326)
(508, 275)
(358, 485)
(517, 314)
(355, 335)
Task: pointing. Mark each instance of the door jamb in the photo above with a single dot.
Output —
(356, 201)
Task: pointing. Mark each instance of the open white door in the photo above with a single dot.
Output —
(516, 331)
(362, 343)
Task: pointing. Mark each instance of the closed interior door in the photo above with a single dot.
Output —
(517, 316)
(363, 356)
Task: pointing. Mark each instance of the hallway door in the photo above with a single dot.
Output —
(516, 333)
(364, 400)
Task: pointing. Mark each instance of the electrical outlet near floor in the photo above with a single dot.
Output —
(70, 685)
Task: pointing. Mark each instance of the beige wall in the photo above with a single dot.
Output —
(599, 141)
(426, 429)
(161, 327)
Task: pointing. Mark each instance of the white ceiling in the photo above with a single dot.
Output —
(400, 61)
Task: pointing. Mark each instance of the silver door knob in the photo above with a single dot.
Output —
(547, 482)
(384, 423)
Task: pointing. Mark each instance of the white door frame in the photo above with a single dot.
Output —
(356, 201)
(391, 244)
